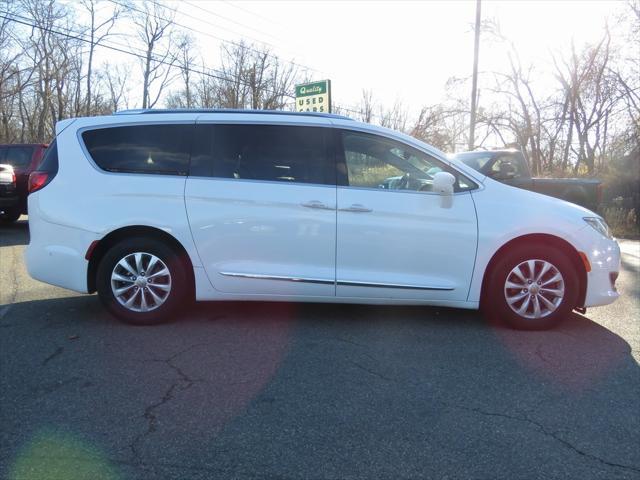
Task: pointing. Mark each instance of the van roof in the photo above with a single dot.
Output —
(144, 111)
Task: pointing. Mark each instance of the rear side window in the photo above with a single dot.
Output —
(18, 157)
(160, 149)
(49, 161)
(279, 153)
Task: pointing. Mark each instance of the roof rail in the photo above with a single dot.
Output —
(145, 111)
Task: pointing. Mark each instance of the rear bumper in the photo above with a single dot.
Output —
(9, 202)
(55, 254)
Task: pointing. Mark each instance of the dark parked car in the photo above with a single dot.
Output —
(23, 158)
(9, 199)
(510, 167)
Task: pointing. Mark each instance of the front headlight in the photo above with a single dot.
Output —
(599, 225)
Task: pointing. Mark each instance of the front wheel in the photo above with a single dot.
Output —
(142, 281)
(532, 288)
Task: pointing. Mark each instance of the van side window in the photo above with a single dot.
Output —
(279, 153)
(160, 149)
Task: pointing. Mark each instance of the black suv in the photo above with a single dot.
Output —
(23, 159)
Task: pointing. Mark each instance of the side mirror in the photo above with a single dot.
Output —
(443, 183)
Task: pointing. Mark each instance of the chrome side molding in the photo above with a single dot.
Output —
(345, 283)
(259, 276)
(391, 285)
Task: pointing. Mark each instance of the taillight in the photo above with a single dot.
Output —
(47, 169)
(37, 180)
(8, 177)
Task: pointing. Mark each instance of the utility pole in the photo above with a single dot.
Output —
(474, 85)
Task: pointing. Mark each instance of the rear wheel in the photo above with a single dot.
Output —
(10, 215)
(532, 288)
(142, 281)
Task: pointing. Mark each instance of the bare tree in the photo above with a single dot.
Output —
(367, 106)
(394, 117)
(116, 77)
(251, 77)
(98, 31)
(155, 24)
(52, 56)
(440, 126)
(586, 78)
(11, 83)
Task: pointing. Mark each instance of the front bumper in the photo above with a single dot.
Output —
(604, 258)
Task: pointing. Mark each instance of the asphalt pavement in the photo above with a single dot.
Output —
(312, 391)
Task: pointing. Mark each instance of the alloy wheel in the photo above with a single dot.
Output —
(141, 282)
(534, 289)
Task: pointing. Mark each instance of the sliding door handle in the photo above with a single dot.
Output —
(317, 205)
(356, 208)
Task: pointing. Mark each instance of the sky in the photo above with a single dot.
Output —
(401, 51)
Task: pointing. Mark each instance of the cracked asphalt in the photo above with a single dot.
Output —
(286, 391)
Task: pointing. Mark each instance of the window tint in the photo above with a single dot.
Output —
(3, 152)
(509, 166)
(263, 152)
(477, 161)
(19, 157)
(377, 162)
(162, 149)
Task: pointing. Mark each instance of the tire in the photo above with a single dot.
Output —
(10, 215)
(513, 292)
(163, 294)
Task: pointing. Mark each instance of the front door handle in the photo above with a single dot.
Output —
(357, 208)
(317, 205)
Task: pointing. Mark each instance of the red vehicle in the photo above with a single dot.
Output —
(24, 158)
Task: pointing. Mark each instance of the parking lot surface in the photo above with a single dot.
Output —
(312, 391)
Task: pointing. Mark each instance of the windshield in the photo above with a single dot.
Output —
(18, 157)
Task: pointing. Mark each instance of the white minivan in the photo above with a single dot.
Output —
(154, 208)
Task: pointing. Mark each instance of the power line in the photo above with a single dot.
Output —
(195, 5)
(223, 40)
(248, 27)
(305, 67)
(270, 20)
(121, 50)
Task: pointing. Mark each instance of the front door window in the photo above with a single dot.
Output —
(377, 162)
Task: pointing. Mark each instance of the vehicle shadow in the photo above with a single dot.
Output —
(571, 356)
(307, 380)
(15, 233)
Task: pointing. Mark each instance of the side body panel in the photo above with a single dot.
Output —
(257, 237)
(264, 237)
(84, 198)
(506, 213)
(421, 241)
